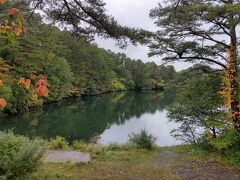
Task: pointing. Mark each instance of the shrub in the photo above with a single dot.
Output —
(58, 143)
(143, 139)
(229, 144)
(18, 154)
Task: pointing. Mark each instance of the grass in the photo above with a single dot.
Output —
(195, 153)
(114, 162)
(122, 162)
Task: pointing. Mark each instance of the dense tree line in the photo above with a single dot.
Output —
(72, 66)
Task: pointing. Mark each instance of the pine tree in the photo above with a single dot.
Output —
(87, 18)
(202, 31)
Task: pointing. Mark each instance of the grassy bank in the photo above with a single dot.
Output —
(115, 161)
(129, 162)
(109, 164)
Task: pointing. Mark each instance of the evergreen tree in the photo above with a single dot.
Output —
(202, 31)
(87, 18)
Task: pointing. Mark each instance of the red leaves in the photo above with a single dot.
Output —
(41, 82)
(13, 11)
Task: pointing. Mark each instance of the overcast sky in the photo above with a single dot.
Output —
(133, 13)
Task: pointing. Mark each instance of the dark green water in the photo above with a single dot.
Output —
(111, 116)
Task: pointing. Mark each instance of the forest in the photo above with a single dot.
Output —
(48, 55)
(70, 66)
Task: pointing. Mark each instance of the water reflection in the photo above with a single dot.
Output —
(113, 116)
(156, 124)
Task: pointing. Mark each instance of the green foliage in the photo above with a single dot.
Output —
(117, 85)
(198, 107)
(6, 92)
(21, 99)
(18, 154)
(143, 139)
(114, 146)
(97, 150)
(58, 143)
(80, 145)
(73, 66)
(229, 144)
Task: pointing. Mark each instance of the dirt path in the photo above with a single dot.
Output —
(183, 167)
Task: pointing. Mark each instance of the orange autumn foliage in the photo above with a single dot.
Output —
(2, 2)
(14, 26)
(41, 91)
(41, 88)
(26, 83)
(3, 103)
(41, 82)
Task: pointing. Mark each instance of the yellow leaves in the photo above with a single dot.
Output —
(230, 86)
(20, 26)
(18, 31)
(26, 83)
(3, 30)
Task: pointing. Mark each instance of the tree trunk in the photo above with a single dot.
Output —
(233, 84)
(232, 74)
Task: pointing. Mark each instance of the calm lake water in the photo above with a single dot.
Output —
(112, 116)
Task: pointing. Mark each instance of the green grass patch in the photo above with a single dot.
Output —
(114, 162)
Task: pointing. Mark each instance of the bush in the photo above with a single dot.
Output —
(229, 144)
(58, 143)
(143, 140)
(18, 154)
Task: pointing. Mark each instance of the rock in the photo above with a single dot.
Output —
(67, 156)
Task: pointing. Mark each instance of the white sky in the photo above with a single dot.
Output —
(133, 13)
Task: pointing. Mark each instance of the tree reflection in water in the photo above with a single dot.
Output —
(82, 118)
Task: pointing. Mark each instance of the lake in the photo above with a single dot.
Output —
(112, 116)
